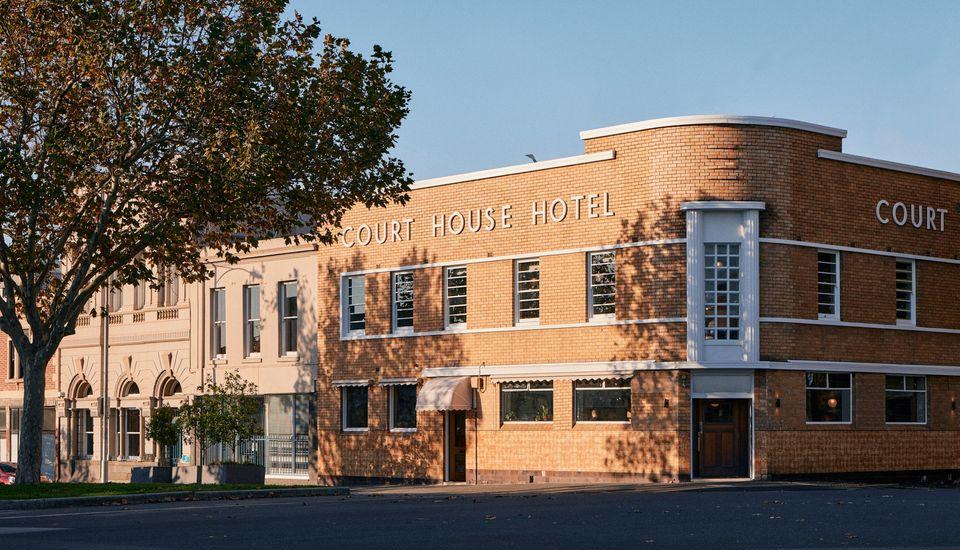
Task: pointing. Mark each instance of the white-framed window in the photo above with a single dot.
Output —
(251, 320)
(403, 301)
(906, 292)
(829, 397)
(84, 433)
(602, 295)
(218, 322)
(906, 399)
(139, 295)
(403, 408)
(526, 401)
(354, 308)
(828, 284)
(14, 368)
(354, 413)
(455, 297)
(602, 400)
(288, 318)
(131, 433)
(169, 292)
(527, 294)
(721, 291)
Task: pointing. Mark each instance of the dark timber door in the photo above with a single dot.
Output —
(722, 439)
(456, 446)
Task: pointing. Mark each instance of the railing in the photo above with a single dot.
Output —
(287, 455)
(83, 321)
(168, 313)
(116, 319)
(139, 317)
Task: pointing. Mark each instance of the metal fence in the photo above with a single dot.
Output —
(287, 455)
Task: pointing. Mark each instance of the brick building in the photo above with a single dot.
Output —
(711, 296)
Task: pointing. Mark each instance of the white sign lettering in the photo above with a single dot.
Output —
(926, 217)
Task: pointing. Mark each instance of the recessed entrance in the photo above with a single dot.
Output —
(456, 445)
(721, 437)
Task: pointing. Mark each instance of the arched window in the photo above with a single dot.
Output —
(83, 390)
(170, 387)
(130, 388)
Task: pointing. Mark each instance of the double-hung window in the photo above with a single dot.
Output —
(288, 318)
(218, 318)
(251, 320)
(115, 298)
(403, 407)
(139, 295)
(169, 292)
(14, 371)
(354, 310)
(828, 284)
(403, 301)
(602, 400)
(526, 401)
(906, 399)
(722, 291)
(603, 285)
(906, 292)
(131, 433)
(354, 407)
(829, 397)
(527, 282)
(456, 297)
(84, 433)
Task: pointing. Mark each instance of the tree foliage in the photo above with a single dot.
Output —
(164, 432)
(223, 414)
(137, 134)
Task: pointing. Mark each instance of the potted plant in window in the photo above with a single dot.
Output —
(223, 414)
(162, 429)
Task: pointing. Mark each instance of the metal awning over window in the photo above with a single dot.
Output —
(446, 394)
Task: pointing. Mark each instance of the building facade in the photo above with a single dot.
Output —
(694, 297)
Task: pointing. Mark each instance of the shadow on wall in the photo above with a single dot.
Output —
(379, 453)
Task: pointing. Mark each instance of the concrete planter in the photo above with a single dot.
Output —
(219, 474)
(151, 474)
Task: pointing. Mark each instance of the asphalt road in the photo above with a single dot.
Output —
(683, 516)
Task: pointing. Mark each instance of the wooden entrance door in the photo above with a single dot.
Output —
(722, 438)
(456, 446)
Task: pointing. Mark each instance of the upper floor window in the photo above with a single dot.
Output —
(456, 298)
(14, 371)
(528, 291)
(906, 291)
(218, 319)
(829, 397)
(603, 285)
(526, 401)
(139, 295)
(354, 307)
(906, 399)
(169, 292)
(403, 301)
(721, 291)
(115, 299)
(251, 320)
(288, 318)
(828, 284)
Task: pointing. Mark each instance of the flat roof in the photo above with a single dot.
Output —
(712, 119)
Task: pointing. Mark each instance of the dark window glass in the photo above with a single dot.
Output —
(288, 318)
(456, 296)
(602, 401)
(355, 407)
(829, 397)
(403, 300)
(526, 402)
(132, 425)
(404, 413)
(906, 399)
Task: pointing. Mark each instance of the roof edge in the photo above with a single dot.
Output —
(712, 119)
(515, 169)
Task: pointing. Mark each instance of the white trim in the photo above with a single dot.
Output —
(530, 324)
(530, 255)
(398, 381)
(878, 368)
(722, 395)
(791, 242)
(887, 165)
(391, 406)
(835, 316)
(599, 317)
(695, 285)
(712, 119)
(514, 169)
(750, 285)
(723, 205)
(393, 302)
(346, 383)
(851, 324)
(447, 325)
(517, 321)
(912, 321)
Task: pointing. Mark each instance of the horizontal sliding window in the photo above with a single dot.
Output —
(829, 397)
(602, 400)
(526, 401)
(906, 399)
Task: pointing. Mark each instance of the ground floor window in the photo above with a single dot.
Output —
(84, 433)
(526, 401)
(3, 435)
(131, 433)
(354, 407)
(906, 399)
(403, 407)
(602, 400)
(829, 397)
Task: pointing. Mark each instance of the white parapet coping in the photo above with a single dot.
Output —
(712, 119)
(887, 165)
(515, 169)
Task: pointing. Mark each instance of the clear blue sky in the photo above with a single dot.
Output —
(493, 80)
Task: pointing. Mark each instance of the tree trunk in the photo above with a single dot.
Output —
(31, 419)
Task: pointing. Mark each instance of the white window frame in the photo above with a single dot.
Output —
(249, 322)
(392, 407)
(912, 321)
(343, 410)
(348, 302)
(285, 317)
(727, 341)
(84, 427)
(516, 291)
(926, 402)
(529, 389)
(591, 291)
(394, 310)
(828, 387)
(446, 298)
(126, 432)
(836, 285)
(604, 387)
(216, 323)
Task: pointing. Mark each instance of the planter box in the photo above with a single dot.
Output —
(151, 474)
(219, 473)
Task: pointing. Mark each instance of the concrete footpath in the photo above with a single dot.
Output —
(173, 496)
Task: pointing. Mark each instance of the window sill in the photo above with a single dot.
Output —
(527, 323)
(403, 430)
(289, 358)
(906, 423)
(355, 430)
(602, 319)
(903, 323)
(252, 359)
(455, 328)
(825, 317)
(847, 423)
(219, 360)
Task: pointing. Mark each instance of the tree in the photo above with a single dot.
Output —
(137, 134)
(223, 413)
(164, 432)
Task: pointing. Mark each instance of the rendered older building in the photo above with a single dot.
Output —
(712, 296)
